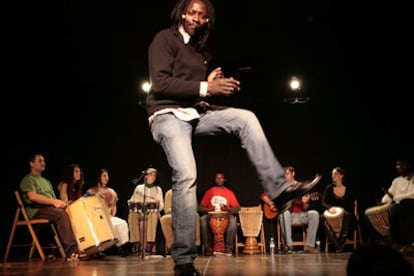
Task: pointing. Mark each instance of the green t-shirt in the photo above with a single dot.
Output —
(39, 185)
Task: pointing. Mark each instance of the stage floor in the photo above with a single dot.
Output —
(279, 264)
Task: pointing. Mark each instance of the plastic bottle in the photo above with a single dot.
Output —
(272, 246)
(318, 244)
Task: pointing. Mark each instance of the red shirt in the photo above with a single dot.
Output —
(297, 206)
(220, 195)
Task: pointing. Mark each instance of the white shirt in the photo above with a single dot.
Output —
(401, 188)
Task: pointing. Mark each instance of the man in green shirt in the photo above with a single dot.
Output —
(41, 203)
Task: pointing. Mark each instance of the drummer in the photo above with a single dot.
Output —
(111, 199)
(401, 197)
(149, 197)
(41, 203)
(338, 194)
(219, 198)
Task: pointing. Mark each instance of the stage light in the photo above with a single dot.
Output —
(295, 96)
(146, 87)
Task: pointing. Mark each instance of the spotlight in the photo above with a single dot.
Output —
(295, 85)
(146, 87)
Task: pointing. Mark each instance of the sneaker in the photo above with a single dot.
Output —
(77, 256)
(285, 199)
(72, 258)
(186, 270)
(310, 249)
(228, 253)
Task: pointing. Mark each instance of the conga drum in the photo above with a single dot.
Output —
(334, 220)
(251, 221)
(91, 224)
(218, 221)
(379, 217)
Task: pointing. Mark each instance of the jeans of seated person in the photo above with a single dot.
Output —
(175, 137)
(310, 217)
(229, 235)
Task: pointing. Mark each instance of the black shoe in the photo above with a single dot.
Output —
(136, 248)
(285, 199)
(208, 252)
(186, 270)
(122, 251)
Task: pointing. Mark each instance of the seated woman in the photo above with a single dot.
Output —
(111, 199)
(335, 195)
(70, 185)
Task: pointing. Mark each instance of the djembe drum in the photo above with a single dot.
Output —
(334, 220)
(218, 221)
(379, 217)
(250, 221)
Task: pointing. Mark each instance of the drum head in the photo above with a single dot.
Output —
(338, 211)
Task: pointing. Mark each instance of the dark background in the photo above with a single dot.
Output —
(71, 90)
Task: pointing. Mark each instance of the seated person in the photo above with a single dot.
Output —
(70, 185)
(41, 203)
(144, 206)
(401, 197)
(338, 194)
(300, 212)
(219, 198)
(111, 199)
(166, 222)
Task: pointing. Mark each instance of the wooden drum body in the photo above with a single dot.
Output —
(91, 224)
(379, 217)
(251, 222)
(334, 220)
(219, 221)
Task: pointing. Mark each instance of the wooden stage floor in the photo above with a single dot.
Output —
(279, 264)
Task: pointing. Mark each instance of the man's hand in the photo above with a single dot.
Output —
(219, 85)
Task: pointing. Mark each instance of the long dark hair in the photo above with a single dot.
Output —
(75, 187)
(200, 42)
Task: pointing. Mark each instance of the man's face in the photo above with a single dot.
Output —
(196, 16)
(220, 179)
(38, 164)
(290, 175)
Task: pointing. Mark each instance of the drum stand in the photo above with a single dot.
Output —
(144, 213)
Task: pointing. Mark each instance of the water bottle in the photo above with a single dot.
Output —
(272, 246)
(318, 244)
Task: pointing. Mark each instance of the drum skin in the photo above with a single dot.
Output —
(91, 224)
(335, 219)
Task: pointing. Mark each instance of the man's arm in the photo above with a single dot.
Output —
(40, 199)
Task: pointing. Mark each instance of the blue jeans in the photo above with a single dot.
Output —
(310, 217)
(175, 137)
